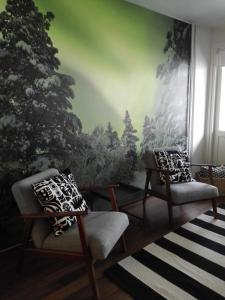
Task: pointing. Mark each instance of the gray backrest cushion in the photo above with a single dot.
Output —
(28, 204)
(149, 160)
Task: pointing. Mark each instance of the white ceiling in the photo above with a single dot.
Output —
(210, 13)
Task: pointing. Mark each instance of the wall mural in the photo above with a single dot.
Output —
(128, 68)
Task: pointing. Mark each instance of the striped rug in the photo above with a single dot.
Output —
(188, 263)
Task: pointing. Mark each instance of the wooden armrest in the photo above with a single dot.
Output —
(166, 171)
(111, 192)
(202, 165)
(54, 214)
(151, 169)
(97, 187)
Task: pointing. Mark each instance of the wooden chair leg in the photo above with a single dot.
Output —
(92, 278)
(20, 262)
(27, 232)
(214, 206)
(144, 209)
(123, 243)
(170, 213)
(147, 180)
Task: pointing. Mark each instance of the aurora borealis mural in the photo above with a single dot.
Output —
(128, 68)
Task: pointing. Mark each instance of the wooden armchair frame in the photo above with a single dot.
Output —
(167, 196)
(85, 255)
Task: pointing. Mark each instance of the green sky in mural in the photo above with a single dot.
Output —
(112, 48)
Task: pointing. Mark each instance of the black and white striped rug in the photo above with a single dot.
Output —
(188, 263)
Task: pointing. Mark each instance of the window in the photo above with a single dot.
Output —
(222, 102)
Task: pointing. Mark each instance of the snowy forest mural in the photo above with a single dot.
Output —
(128, 68)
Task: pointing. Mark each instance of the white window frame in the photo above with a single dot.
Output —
(212, 107)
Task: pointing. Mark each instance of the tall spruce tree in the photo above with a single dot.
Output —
(112, 135)
(129, 140)
(174, 71)
(35, 122)
(148, 134)
(177, 47)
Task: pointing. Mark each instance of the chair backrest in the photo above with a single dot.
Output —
(149, 159)
(28, 204)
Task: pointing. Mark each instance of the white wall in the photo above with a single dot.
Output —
(201, 49)
(218, 36)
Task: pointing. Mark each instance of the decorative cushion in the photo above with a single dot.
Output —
(58, 194)
(217, 172)
(177, 163)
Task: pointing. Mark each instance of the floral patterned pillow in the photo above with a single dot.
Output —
(60, 194)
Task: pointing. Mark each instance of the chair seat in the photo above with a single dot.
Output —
(188, 192)
(103, 230)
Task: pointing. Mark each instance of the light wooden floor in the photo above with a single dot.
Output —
(52, 279)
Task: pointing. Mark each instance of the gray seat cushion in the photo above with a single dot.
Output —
(189, 191)
(103, 231)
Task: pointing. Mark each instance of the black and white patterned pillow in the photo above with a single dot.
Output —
(217, 172)
(181, 162)
(163, 161)
(177, 163)
(58, 194)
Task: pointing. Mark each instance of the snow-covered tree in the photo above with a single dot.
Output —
(36, 124)
(177, 47)
(170, 114)
(37, 128)
(112, 135)
(148, 134)
(129, 140)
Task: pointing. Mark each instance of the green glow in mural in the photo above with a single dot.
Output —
(112, 49)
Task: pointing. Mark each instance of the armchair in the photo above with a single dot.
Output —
(175, 193)
(91, 239)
